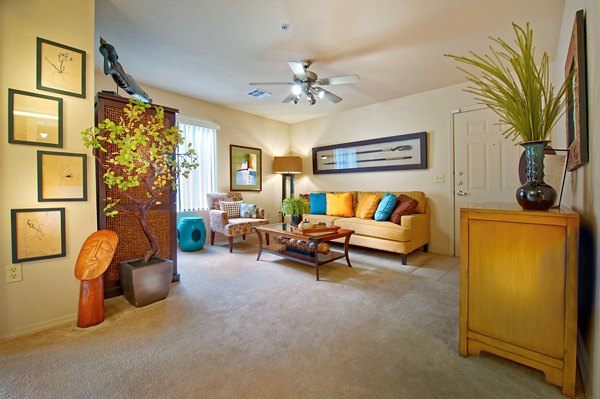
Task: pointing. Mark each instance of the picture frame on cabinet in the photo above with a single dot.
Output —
(37, 233)
(34, 119)
(61, 176)
(60, 68)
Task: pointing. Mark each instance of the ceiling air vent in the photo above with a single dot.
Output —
(258, 93)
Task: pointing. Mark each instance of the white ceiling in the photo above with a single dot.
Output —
(212, 49)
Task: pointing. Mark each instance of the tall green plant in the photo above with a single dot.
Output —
(295, 206)
(140, 153)
(514, 87)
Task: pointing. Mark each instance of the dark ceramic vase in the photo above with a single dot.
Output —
(146, 283)
(535, 194)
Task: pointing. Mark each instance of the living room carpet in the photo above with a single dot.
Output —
(237, 328)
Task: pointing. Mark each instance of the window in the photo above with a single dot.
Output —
(191, 195)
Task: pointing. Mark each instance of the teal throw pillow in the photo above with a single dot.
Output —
(318, 203)
(248, 210)
(385, 207)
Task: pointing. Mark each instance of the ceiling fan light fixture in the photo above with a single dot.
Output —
(296, 89)
(311, 99)
(321, 93)
(295, 100)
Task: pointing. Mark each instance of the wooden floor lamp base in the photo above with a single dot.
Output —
(91, 302)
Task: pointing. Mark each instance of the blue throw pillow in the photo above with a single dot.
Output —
(318, 204)
(385, 208)
(248, 210)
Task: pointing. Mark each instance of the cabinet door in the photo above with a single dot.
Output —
(517, 283)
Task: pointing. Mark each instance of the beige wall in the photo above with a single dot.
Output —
(582, 191)
(239, 128)
(49, 291)
(429, 112)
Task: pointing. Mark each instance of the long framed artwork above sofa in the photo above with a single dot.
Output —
(407, 151)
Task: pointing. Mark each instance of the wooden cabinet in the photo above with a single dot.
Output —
(518, 288)
(162, 218)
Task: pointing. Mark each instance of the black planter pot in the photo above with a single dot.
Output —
(535, 194)
(146, 283)
(295, 220)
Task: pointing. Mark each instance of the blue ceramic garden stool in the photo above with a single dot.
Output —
(191, 233)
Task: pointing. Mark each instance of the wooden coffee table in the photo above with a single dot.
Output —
(272, 231)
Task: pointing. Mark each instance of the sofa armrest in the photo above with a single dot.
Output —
(419, 226)
(218, 219)
(260, 213)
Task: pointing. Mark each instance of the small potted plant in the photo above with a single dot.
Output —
(141, 161)
(295, 207)
(518, 90)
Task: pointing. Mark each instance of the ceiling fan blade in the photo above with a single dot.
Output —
(298, 69)
(338, 80)
(289, 98)
(330, 96)
(269, 83)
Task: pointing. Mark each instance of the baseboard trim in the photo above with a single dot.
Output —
(583, 361)
(36, 327)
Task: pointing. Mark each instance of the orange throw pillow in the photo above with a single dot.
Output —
(339, 204)
(367, 206)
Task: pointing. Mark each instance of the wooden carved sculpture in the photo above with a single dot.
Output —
(94, 258)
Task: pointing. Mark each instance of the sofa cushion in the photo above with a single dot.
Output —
(385, 207)
(371, 228)
(417, 195)
(318, 203)
(367, 206)
(405, 206)
(340, 204)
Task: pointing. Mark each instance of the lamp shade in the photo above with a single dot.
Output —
(291, 164)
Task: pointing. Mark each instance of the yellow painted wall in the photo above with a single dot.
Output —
(582, 190)
(49, 291)
(430, 112)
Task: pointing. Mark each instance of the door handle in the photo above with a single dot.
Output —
(461, 193)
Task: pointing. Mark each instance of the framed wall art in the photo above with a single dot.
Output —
(37, 234)
(245, 168)
(34, 119)
(60, 68)
(62, 176)
(576, 96)
(407, 151)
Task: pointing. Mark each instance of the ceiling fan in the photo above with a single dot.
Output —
(307, 82)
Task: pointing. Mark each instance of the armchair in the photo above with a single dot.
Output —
(230, 227)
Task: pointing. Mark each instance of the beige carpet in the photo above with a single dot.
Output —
(237, 328)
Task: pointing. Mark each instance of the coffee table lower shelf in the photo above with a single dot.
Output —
(316, 259)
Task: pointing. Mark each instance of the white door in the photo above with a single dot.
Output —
(486, 165)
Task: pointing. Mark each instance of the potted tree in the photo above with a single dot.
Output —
(517, 89)
(141, 162)
(295, 207)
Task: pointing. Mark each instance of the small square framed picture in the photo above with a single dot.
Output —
(34, 119)
(61, 176)
(37, 233)
(60, 68)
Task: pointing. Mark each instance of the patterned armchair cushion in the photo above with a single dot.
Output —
(214, 198)
(242, 226)
(248, 210)
(231, 207)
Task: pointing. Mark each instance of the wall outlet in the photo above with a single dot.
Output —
(13, 273)
(438, 179)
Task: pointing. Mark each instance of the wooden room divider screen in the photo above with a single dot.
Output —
(162, 218)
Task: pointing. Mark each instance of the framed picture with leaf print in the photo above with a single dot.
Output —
(60, 68)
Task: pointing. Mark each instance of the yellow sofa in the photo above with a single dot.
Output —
(412, 233)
